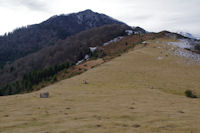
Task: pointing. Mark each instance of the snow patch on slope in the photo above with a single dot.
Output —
(87, 57)
(79, 62)
(181, 51)
(129, 32)
(186, 34)
(92, 49)
(189, 35)
(187, 54)
(182, 43)
(113, 40)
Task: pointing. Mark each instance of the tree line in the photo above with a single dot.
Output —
(33, 78)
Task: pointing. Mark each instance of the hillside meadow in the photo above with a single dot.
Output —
(135, 92)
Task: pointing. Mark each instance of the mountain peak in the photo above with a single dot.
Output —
(87, 10)
(48, 32)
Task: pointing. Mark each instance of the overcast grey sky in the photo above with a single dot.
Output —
(153, 15)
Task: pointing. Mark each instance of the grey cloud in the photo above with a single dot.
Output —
(154, 15)
(37, 5)
(142, 17)
(34, 4)
(164, 15)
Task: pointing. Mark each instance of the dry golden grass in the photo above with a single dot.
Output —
(135, 92)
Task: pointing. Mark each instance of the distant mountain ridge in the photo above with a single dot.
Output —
(189, 35)
(26, 40)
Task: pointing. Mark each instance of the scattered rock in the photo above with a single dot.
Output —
(97, 117)
(6, 115)
(171, 126)
(131, 108)
(85, 82)
(151, 87)
(107, 117)
(168, 127)
(68, 108)
(160, 58)
(181, 112)
(98, 125)
(136, 126)
(144, 42)
(44, 95)
(34, 119)
(125, 125)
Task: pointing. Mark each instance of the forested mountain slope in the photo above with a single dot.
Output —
(69, 51)
(26, 40)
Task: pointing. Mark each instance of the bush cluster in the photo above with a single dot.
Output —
(190, 94)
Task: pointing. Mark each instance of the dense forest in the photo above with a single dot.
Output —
(33, 78)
